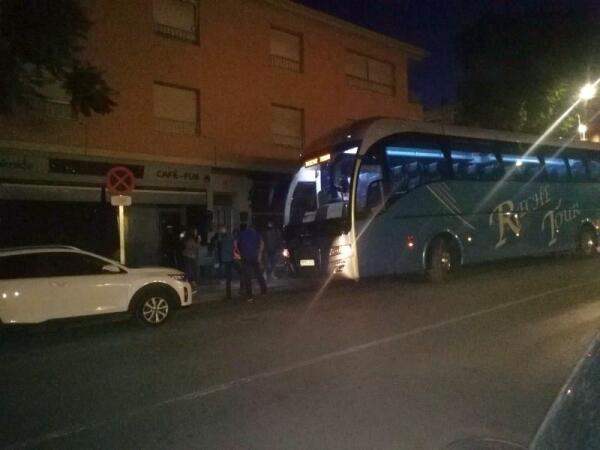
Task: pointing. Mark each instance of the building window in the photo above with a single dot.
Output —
(176, 19)
(367, 73)
(286, 50)
(52, 101)
(287, 126)
(175, 109)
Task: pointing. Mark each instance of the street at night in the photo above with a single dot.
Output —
(383, 363)
(300, 224)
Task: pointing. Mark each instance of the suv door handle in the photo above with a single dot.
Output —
(59, 283)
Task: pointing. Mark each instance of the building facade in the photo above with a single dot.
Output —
(216, 101)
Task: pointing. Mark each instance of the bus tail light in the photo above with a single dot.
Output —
(410, 242)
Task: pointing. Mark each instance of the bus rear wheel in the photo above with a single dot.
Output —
(442, 260)
(587, 242)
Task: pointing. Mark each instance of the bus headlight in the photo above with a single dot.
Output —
(342, 251)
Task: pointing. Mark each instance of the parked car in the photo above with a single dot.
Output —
(573, 421)
(38, 284)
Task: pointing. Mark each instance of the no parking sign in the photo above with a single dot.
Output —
(120, 181)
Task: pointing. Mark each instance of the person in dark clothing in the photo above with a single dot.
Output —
(250, 246)
(213, 249)
(225, 246)
(273, 241)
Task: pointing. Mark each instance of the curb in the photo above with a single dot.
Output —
(218, 295)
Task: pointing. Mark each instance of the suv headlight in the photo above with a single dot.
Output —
(178, 276)
(343, 251)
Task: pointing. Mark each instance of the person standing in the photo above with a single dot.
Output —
(273, 242)
(251, 246)
(205, 261)
(225, 255)
(189, 253)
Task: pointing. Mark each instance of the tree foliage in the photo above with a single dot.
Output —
(522, 71)
(40, 43)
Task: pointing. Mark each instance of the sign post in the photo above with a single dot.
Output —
(120, 181)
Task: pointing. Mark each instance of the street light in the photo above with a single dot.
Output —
(587, 92)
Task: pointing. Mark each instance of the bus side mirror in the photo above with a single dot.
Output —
(375, 197)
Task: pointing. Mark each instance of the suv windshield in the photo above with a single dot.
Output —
(323, 189)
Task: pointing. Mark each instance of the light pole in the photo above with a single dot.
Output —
(587, 92)
(582, 129)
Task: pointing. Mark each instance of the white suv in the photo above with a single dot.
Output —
(57, 282)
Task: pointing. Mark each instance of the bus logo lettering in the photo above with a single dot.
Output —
(557, 218)
(506, 219)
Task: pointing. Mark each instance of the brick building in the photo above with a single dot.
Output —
(216, 100)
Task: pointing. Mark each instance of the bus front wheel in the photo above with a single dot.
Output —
(442, 260)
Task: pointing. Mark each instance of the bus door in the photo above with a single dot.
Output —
(371, 192)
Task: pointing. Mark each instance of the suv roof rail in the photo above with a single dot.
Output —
(38, 247)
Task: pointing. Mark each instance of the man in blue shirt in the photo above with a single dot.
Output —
(250, 246)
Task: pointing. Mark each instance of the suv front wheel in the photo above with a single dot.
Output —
(154, 306)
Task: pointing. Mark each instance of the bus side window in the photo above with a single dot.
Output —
(594, 166)
(555, 169)
(577, 167)
(475, 166)
(521, 168)
(411, 167)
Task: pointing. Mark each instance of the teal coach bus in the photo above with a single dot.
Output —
(387, 196)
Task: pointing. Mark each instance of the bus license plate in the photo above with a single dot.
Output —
(307, 263)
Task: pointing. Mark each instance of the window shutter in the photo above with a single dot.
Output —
(286, 45)
(175, 13)
(287, 126)
(381, 72)
(368, 73)
(356, 65)
(177, 107)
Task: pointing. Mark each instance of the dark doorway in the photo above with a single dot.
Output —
(170, 242)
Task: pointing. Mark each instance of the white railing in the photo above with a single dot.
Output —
(285, 63)
(52, 109)
(362, 83)
(175, 33)
(175, 126)
(287, 141)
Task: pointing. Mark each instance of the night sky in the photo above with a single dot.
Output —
(433, 25)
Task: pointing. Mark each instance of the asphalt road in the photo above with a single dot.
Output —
(388, 363)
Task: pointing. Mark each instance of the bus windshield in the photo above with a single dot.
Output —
(322, 189)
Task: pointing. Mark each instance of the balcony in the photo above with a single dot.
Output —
(176, 33)
(53, 109)
(369, 85)
(283, 140)
(165, 125)
(286, 63)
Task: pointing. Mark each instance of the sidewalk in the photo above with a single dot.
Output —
(214, 292)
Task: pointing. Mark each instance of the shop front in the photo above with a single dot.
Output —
(51, 198)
